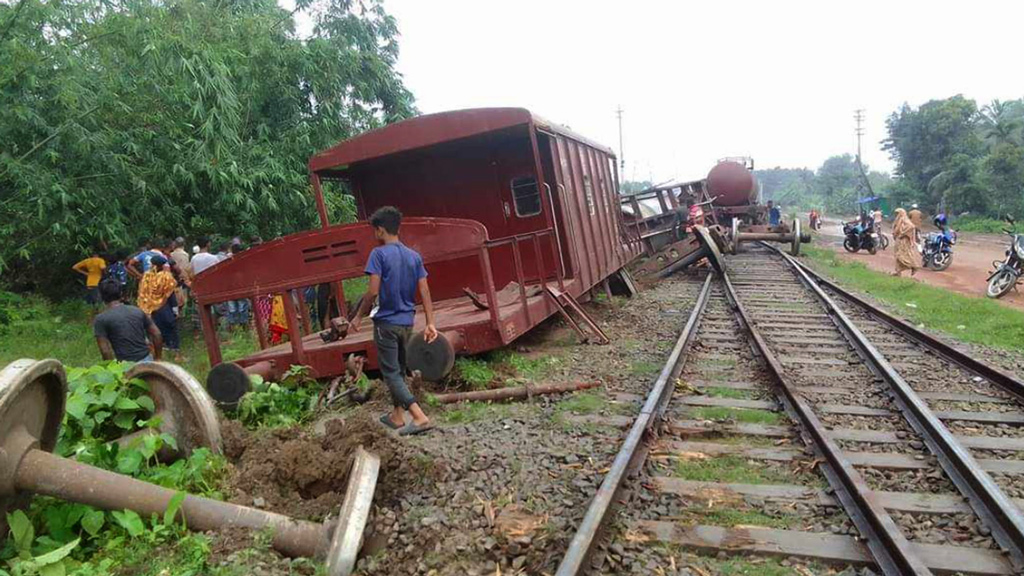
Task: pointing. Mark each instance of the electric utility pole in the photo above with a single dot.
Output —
(622, 159)
(858, 116)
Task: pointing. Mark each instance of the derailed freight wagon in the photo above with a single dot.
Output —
(515, 217)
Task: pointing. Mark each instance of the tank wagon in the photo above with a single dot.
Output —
(733, 214)
(516, 218)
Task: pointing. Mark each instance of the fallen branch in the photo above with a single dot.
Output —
(512, 393)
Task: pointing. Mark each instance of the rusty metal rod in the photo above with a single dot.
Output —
(510, 393)
(41, 472)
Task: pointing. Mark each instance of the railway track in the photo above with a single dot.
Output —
(797, 422)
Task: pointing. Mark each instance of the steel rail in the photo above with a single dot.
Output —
(1007, 382)
(987, 499)
(886, 542)
(586, 536)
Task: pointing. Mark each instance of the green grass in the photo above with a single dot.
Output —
(644, 368)
(979, 224)
(744, 415)
(64, 331)
(355, 287)
(984, 321)
(474, 371)
(469, 412)
(530, 367)
(585, 403)
(731, 469)
(729, 393)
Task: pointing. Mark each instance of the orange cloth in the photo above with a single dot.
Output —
(154, 289)
(93, 270)
(903, 234)
(278, 321)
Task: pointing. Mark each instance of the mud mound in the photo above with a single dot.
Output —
(293, 472)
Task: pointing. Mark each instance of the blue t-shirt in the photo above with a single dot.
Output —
(399, 268)
(145, 258)
(774, 216)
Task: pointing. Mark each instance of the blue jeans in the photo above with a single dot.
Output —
(238, 312)
(168, 324)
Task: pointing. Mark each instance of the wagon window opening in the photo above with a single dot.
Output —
(526, 196)
(588, 190)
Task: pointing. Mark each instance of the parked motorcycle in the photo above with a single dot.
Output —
(859, 237)
(1009, 271)
(937, 252)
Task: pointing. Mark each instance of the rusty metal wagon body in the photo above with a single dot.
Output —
(500, 203)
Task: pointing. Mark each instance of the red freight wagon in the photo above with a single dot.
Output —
(515, 218)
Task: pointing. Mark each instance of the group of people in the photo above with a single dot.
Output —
(159, 275)
(139, 333)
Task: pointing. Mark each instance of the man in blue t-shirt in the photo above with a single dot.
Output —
(396, 274)
(774, 214)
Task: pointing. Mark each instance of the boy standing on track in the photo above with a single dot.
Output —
(396, 273)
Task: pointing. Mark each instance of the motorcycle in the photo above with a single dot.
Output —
(1009, 271)
(860, 237)
(937, 251)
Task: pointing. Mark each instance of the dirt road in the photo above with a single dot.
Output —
(972, 261)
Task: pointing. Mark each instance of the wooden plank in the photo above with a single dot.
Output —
(795, 326)
(852, 410)
(725, 493)
(727, 402)
(729, 385)
(698, 427)
(990, 417)
(701, 427)
(962, 397)
(687, 449)
(823, 341)
(822, 547)
(844, 389)
(812, 361)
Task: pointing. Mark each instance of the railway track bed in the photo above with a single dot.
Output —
(799, 428)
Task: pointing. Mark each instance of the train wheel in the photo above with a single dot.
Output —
(434, 360)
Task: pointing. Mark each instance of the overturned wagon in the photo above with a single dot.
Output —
(516, 219)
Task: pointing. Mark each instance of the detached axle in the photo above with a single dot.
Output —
(32, 395)
(783, 234)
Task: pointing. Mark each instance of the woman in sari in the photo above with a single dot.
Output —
(278, 321)
(903, 233)
(156, 298)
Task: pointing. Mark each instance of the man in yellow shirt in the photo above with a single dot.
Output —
(92, 268)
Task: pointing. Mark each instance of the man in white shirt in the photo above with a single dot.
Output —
(204, 259)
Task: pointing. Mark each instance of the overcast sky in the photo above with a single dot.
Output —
(776, 80)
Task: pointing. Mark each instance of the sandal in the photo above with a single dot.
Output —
(412, 428)
(386, 421)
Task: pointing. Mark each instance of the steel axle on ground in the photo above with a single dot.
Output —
(32, 395)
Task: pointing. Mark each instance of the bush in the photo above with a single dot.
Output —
(979, 224)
